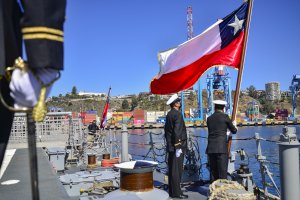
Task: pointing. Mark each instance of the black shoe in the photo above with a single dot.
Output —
(182, 196)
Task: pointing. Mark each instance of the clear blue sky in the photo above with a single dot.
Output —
(115, 42)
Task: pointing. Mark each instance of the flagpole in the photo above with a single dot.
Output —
(107, 99)
(109, 91)
(240, 71)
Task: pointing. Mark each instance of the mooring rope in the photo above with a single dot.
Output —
(226, 189)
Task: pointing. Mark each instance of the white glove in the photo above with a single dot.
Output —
(228, 133)
(234, 124)
(178, 152)
(25, 88)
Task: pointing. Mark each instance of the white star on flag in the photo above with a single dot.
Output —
(237, 24)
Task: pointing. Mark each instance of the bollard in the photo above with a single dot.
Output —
(289, 164)
(124, 155)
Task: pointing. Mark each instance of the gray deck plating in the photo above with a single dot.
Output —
(49, 186)
(18, 169)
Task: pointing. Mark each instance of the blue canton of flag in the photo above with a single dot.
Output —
(233, 24)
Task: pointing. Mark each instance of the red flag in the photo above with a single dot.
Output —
(104, 114)
(220, 44)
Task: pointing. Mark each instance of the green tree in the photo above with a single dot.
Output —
(267, 107)
(289, 99)
(134, 103)
(125, 104)
(163, 106)
(252, 92)
(54, 98)
(74, 91)
(156, 98)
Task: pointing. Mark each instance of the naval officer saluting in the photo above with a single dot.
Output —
(218, 124)
(175, 133)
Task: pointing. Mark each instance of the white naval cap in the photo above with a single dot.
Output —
(173, 98)
(220, 102)
(136, 164)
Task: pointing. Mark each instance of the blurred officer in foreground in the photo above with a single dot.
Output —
(39, 23)
(175, 133)
(218, 124)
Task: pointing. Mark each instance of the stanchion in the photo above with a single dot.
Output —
(124, 155)
(289, 164)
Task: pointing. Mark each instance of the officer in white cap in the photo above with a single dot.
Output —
(175, 133)
(218, 124)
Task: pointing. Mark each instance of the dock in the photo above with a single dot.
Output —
(203, 125)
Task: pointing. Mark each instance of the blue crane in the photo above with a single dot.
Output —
(198, 115)
(295, 88)
(218, 78)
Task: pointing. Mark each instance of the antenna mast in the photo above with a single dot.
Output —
(189, 12)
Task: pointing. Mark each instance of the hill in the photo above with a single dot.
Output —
(75, 103)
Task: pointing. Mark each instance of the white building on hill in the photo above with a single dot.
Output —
(92, 94)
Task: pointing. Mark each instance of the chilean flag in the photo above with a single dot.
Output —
(104, 113)
(220, 44)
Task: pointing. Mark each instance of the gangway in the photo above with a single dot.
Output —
(295, 88)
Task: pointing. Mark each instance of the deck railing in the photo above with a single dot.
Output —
(56, 126)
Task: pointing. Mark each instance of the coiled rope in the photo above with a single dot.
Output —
(223, 189)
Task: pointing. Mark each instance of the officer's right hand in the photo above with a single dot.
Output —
(178, 152)
(228, 133)
(234, 124)
(25, 88)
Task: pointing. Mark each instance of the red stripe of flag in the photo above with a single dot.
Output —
(105, 110)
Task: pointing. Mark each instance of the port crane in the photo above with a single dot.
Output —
(216, 79)
(295, 88)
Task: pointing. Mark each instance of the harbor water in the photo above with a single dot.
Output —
(139, 147)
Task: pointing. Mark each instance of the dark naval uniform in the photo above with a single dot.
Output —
(93, 127)
(175, 133)
(217, 125)
(40, 24)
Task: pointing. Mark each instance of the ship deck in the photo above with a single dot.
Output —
(18, 169)
(49, 185)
